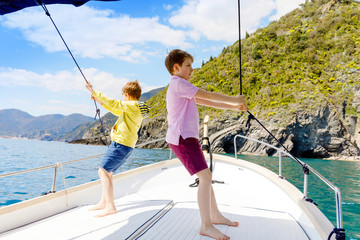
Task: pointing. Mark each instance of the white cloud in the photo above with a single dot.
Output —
(254, 12)
(207, 18)
(94, 33)
(218, 20)
(66, 108)
(168, 7)
(61, 81)
(285, 6)
(67, 82)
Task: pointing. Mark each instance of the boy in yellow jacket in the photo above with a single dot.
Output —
(123, 136)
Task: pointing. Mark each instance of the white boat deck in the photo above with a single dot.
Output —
(163, 206)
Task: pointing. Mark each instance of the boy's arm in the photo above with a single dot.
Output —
(91, 90)
(113, 105)
(222, 105)
(89, 87)
(97, 100)
(222, 101)
(218, 97)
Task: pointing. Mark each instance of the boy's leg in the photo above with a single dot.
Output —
(101, 204)
(114, 157)
(216, 216)
(205, 206)
(107, 200)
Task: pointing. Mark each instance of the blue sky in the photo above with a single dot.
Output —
(113, 42)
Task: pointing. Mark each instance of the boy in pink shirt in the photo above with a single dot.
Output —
(183, 133)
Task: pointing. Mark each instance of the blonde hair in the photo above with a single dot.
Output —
(133, 89)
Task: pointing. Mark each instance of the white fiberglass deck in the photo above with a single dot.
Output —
(165, 207)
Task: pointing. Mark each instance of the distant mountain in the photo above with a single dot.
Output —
(16, 123)
(150, 94)
(91, 129)
(12, 120)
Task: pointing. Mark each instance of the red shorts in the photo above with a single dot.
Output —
(190, 154)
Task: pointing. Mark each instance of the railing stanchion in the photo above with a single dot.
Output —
(54, 180)
(280, 164)
(338, 208)
(235, 147)
(306, 176)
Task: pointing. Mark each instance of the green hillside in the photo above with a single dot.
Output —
(307, 58)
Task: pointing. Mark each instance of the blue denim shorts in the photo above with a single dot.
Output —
(115, 156)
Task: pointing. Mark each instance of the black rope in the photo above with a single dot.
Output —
(305, 167)
(339, 234)
(248, 122)
(311, 201)
(41, 4)
(197, 182)
(208, 149)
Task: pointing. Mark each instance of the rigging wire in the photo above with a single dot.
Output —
(239, 19)
(251, 116)
(41, 4)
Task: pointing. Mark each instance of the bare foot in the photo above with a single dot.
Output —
(98, 206)
(106, 212)
(212, 232)
(221, 220)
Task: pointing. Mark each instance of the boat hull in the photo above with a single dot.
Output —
(155, 202)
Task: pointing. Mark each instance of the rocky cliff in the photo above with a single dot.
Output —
(324, 133)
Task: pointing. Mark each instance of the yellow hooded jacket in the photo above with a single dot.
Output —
(130, 115)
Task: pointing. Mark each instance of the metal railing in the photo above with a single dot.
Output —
(339, 220)
(60, 164)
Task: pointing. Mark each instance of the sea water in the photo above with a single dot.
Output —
(20, 155)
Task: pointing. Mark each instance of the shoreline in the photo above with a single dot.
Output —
(339, 158)
(98, 142)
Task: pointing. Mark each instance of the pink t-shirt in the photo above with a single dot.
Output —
(183, 115)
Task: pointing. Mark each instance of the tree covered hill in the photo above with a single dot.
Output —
(309, 57)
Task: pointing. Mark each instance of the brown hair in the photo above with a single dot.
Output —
(176, 56)
(133, 89)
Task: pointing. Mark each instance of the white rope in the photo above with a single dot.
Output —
(65, 188)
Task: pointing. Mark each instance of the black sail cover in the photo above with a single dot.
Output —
(9, 6)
